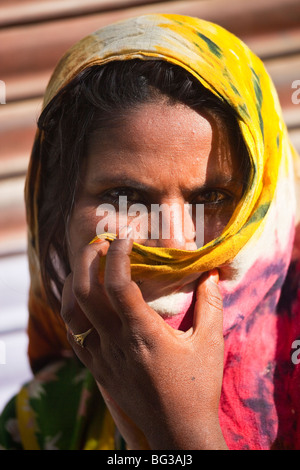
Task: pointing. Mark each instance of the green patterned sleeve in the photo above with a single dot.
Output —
(9, 429)
(61, 408)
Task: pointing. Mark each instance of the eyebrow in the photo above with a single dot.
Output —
(120, 181)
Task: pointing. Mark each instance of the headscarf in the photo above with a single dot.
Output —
(254, 251)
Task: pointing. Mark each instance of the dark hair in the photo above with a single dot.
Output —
(97, 96)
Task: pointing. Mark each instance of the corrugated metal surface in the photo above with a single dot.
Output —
(33, 36)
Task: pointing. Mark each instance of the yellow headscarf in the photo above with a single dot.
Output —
(263, 220)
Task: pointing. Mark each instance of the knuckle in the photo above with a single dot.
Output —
(114, 247)
(113, 287)
(213, 297)
(215, 302)
(118, 246)
(116, 288)
(115, 251)
(140, 347)
(81, 292)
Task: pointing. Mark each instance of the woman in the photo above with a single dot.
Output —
(188, 339)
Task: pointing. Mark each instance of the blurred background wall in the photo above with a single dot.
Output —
(33, 36)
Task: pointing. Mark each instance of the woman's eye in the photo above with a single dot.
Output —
(213, 197)
(113, 195)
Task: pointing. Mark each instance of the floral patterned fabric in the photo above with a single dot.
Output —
(56, 411)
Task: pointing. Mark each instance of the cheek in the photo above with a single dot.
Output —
(111, 221)
(81, 229)
(215, 222)
(88, 221)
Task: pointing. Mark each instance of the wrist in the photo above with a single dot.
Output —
(208, 437)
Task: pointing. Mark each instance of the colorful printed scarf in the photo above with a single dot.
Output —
(259, 406)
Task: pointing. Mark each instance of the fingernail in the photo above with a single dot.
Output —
(95, 240)
(125, 232)
(103, 237)
(214, 276)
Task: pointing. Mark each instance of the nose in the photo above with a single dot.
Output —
(171, 225)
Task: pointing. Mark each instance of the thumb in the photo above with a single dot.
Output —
(208, 311)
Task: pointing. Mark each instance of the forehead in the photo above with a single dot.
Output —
(159, 139)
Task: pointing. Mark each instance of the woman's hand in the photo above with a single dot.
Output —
(166, 382)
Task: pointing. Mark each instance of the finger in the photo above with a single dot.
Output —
(208, 312)
(123, 292)
(88, 290)
(85, 273)
(76, 322)
(120, 288)
(71, 313)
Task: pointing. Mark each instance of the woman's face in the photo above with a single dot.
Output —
(161, 154)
